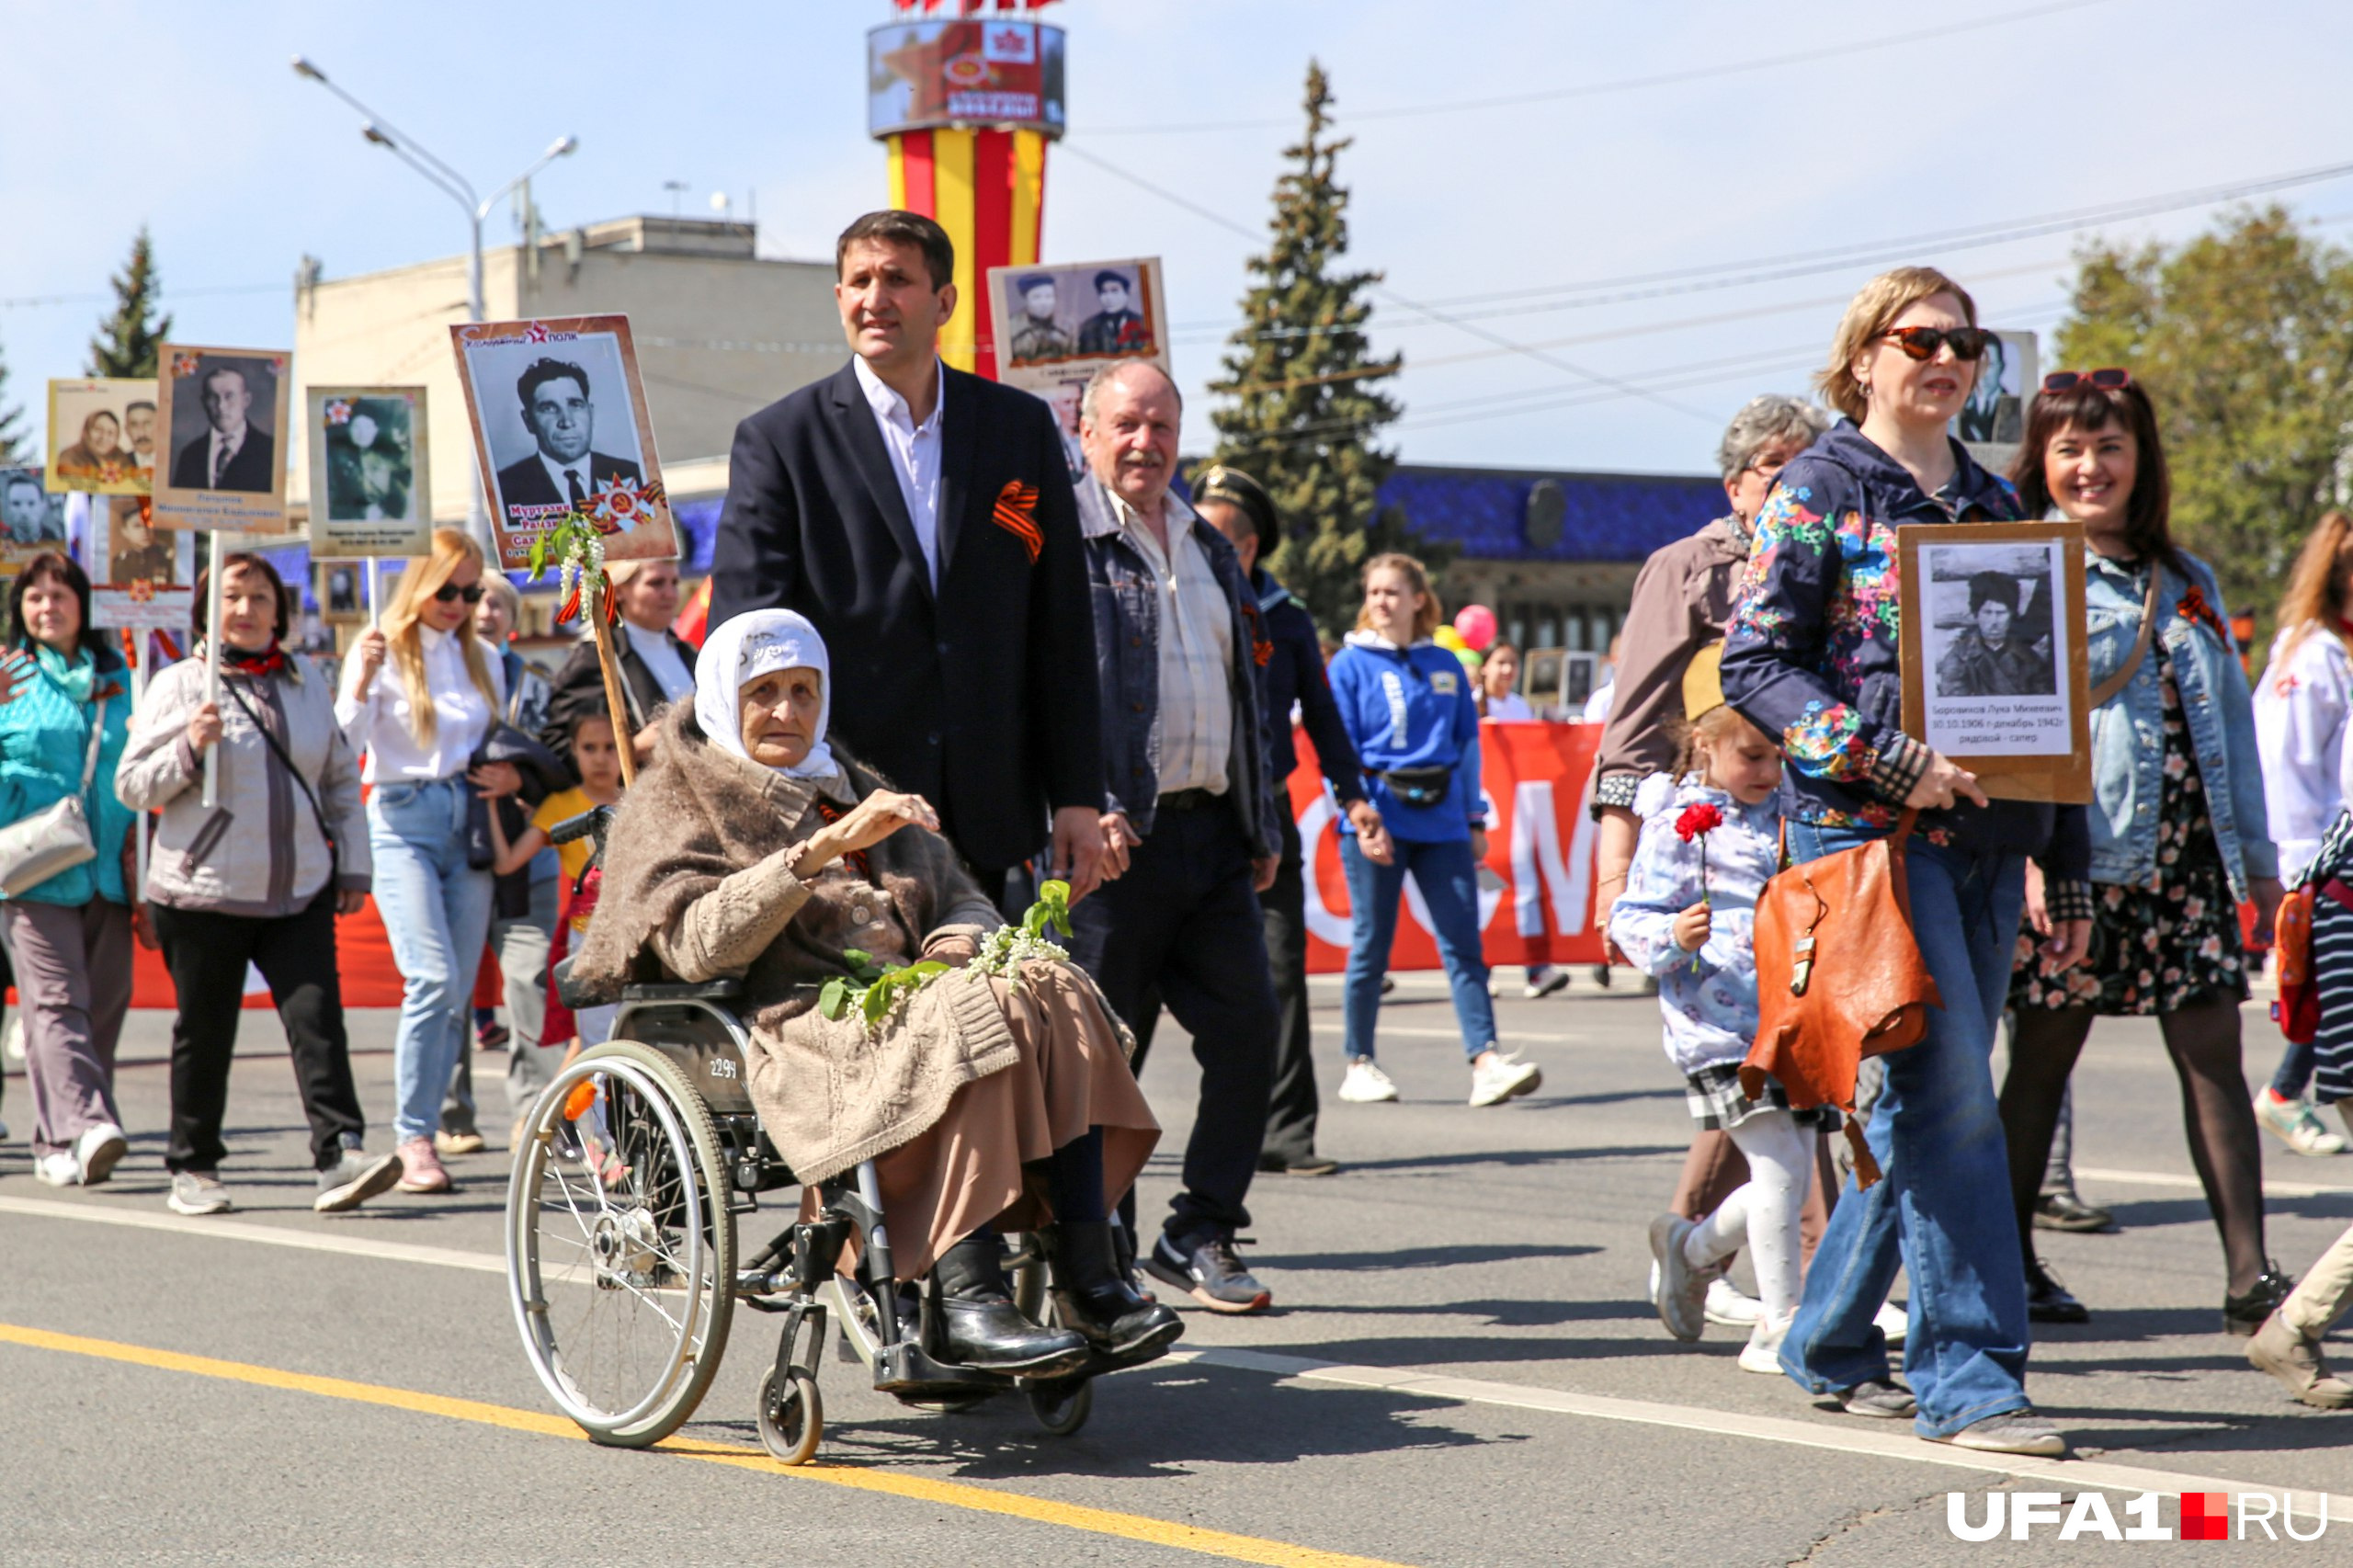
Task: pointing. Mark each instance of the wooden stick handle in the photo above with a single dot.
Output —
(608, 662)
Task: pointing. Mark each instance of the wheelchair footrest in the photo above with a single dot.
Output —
(906, 1369)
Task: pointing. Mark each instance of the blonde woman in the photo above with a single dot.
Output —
(1813, 658)
(420, 693)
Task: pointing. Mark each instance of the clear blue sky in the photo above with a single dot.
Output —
(190, 119)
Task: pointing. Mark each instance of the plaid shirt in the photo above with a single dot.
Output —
(1193, 735)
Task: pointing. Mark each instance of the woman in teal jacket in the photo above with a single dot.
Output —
(70, 935)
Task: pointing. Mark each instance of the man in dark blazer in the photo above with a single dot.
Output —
(923, 520)
(562, 419)
(231, 454)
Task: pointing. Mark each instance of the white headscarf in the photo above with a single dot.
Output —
(745, 648)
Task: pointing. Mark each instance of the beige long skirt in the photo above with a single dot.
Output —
(965, 1170)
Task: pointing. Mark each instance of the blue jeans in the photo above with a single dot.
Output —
(2296, 1065)
(1942, 1210)
(436, 912)
(1449, 881)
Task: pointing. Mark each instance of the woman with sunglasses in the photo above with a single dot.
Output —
(419, 695)
(1813, 657)
(2180, 835)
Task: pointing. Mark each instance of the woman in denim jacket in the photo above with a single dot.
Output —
(1813, 657)
(2179, 833)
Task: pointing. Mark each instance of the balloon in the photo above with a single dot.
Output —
(1450, 639)
(1477, 626)
(1472, 661)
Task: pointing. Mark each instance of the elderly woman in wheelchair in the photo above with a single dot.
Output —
(751, 849)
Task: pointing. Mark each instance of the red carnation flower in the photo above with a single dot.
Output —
(1697, 820)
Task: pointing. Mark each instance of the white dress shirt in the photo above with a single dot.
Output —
(662, 661)
(915, 454)
(578, 470)
(378, 721)
(1193, 730)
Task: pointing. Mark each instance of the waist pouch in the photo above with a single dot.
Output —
(1418, 786)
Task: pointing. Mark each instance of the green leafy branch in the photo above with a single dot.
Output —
(870, 988)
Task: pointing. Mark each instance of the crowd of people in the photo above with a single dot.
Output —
(940, 673)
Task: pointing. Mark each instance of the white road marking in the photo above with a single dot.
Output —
(2167, 1178)
(1845, 1436)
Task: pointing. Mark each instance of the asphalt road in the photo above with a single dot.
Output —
(1461, 1369)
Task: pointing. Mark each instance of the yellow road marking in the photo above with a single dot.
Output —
(952, 1494)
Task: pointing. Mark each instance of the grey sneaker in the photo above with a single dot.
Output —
(1682, 1290)
(198, 1193)
(2012, 1432)
(354, 1179)
(1208, 1271)
(1881, 1400)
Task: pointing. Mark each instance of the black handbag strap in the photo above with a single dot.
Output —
(335, 851)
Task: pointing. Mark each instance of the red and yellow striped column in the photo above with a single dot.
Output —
(988, 188)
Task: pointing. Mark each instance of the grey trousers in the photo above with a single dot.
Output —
(522, 947)
(2326, 1292)
(74, 982)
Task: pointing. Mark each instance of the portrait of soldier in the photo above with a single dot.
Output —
(133, 552)
(1991, 658)
(1117, 327)
(234, 453)
(560, 413)
(1039, 336)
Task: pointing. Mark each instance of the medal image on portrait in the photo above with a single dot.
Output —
(371, 488)
(222, 413)
(102, 435)
(1994, 653)
(561, 422)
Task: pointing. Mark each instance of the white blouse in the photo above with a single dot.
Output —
(378, 720)
(662, 660)
(2301, 707)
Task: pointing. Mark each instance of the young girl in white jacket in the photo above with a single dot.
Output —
(1710, 841)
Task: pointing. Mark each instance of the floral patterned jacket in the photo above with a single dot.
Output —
(1813, 654)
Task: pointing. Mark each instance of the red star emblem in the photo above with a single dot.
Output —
(537, 333)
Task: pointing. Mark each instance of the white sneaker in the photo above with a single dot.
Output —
(1730, 1307)
(58, 1170)
(1503, 1077)
(1763, 1351)
(2293, 1123)
(1893, 1322)
(16, 1044)
(97, 1150)
(198, 1193)
(1543, 979)
(1366, 1084)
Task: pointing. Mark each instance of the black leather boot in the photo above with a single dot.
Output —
(1092, 1295)
(980, 1327)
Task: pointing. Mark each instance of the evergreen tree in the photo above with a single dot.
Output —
(1303, 404)
(13, 450)
(128, 340)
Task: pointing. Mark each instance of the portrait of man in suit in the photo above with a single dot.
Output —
(1118, 327)
(139, 430)
(232, 452)
(565, 469)
(26, 515)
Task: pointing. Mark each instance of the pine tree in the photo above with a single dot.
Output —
(1301, 378)
(128, 340)
(13, 450)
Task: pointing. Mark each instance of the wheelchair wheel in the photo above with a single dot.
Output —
(1062, 1404)
(792, 1420)
(620, 1251)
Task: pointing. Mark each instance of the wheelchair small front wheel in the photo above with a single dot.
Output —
(1062, 1404)
(793, 1418)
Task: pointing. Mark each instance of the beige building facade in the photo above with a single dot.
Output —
(720, 332)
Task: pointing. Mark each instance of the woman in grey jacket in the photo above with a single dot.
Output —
(259, 879)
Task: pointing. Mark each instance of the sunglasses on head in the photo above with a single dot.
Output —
(2110, 379)
(1922, 342)
(449, 593)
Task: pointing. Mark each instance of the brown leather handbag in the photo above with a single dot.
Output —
(1839, 977)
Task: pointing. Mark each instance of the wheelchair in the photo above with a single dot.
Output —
(636, 1166)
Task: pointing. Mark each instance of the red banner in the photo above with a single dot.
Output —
(1536, 889)
(363, 959)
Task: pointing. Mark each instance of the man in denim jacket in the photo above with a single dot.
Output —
(1191, 829)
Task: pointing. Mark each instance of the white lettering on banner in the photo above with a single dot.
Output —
(1321, 922)
(1536, 863)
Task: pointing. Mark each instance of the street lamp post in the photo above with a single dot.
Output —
(456, 187)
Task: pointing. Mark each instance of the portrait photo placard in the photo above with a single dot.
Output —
(32, 518)
(560, 422)
(143, 606)
(372, 492)
(1992, 420)
(1996, 673)
(222, 413)
(126, 546)
(342, 593)
(103, 433)
(1053, 326)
